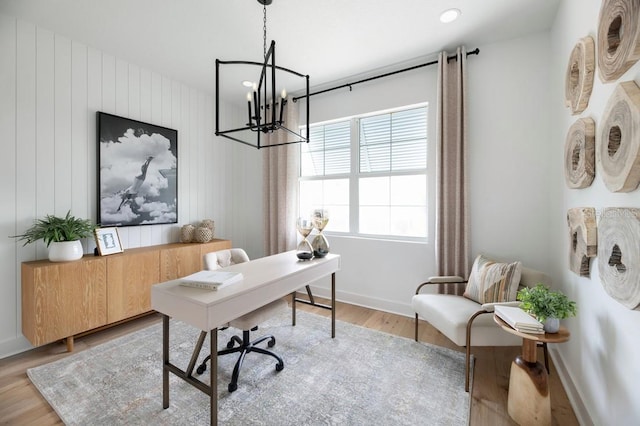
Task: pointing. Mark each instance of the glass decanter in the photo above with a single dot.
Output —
(320, 218)
(304, 250)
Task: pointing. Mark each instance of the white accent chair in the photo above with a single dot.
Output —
(247, 323)
(461, 319)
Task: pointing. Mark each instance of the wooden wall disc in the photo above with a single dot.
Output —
(579, 154)
(579, 77)
(618, 37)
(618, 144)
(619, 254)
(583, 239)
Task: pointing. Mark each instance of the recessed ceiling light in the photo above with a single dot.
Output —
(247, 83)
(449, 15)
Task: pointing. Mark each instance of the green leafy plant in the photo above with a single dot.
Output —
(57, 229)
(543, 303)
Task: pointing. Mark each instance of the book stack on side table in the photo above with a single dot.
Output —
(211, 280)
(519, 319)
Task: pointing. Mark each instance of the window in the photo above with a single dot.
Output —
(370, 173)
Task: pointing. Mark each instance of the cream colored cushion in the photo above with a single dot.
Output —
(491, 281)
(450, 313)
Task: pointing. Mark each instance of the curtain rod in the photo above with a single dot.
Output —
(473, 52)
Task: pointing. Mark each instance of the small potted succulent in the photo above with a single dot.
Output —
(549, 307)
(62, 235)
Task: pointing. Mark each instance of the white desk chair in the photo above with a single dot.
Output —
(247, 323)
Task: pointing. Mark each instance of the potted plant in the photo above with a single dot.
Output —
(547, 306)
(61, 235)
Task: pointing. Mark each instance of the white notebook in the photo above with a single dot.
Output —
(519, 319)
(211, 280)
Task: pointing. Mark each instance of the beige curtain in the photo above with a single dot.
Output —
(280, 184)
(452, 218)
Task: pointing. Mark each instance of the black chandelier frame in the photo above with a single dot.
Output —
(256, 124)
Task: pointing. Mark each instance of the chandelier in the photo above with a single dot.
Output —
(265, 99)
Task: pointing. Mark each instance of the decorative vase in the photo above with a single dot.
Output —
(186, 233)
(208, 223)
(203, 234)
(65, 251)
(552, 325)
(320, 244)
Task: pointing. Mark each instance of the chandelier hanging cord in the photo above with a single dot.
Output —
(264, 29)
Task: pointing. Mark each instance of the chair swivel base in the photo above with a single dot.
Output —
(245, 346)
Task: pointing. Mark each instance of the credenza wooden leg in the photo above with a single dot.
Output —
(69, 341)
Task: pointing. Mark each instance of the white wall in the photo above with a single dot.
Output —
(50, 90)
(600, 361)
(508, 168)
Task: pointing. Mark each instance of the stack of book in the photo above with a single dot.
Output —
(519, 319)
(211, 280)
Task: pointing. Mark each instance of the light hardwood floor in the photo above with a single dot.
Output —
(21, 403)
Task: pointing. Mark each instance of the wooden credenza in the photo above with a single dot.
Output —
(63, 299)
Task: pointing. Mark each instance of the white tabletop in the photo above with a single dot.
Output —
(264, 280)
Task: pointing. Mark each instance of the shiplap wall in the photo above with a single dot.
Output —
(50, 90)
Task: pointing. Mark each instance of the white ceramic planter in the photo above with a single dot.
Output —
(552, 325)
(65, 251)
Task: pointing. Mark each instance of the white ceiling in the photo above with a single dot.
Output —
(328, 39)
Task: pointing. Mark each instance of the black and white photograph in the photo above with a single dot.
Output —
(137, 172)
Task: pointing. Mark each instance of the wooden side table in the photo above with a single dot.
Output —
(529, 402)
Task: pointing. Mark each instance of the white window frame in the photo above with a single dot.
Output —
(354, 175)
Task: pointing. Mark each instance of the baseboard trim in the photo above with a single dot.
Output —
(14, 346)
(403, 309)
(579, 408)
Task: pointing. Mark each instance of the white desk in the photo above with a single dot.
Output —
(265, 280)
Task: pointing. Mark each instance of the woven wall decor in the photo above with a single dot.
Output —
(618, 37)
(582, 239)
(619, 254)
(579, 78)
(579, 154)
(618, 142)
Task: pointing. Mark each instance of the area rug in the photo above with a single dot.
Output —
(362, 377)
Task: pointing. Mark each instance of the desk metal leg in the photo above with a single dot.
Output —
(165, 361)
(293, 308)
(333, 305)
(214, 377)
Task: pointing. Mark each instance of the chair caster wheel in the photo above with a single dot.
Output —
(272, 342)
(232, 387)
(201, 368)
(279, 366)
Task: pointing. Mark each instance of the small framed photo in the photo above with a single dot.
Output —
(108, 241)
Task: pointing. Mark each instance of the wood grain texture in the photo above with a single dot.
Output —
(580, 154)
(619, 254)
(583, 239)
(579, 75)
(63, 299)
(618, 144)
(529, 402)
(618, 38)
(131, 276)
(21, 403)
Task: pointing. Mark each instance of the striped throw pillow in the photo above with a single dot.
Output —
(491, 282)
